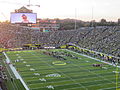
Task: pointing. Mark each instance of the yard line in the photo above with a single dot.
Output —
(71, 83)
(108, 88)
(10, 76)
(91, 86)
(57, 86)
(73, 87)
(97, 85)
(93, 58)
(66, 80)
(63, 74)
(96, 60)
(15, 72)
(95, 73)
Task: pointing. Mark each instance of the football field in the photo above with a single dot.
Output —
(41, 71)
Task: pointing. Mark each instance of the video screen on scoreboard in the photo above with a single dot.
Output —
(23, 17)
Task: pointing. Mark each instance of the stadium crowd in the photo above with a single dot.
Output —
(105, 39)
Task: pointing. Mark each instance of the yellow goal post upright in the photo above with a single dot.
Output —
(117, 76)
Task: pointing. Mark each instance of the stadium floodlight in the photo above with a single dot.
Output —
(37, 5)
(32, 5)
(75, 18)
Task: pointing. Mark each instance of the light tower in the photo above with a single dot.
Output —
(32, 5)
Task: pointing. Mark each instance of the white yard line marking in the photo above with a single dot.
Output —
(66, 80)
(109, 88)
(73, 87)
(71, 83)
(57, 86)
(15, 72)
(93, 58)
(63, 74)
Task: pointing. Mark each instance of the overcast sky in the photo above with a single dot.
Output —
(85, 9)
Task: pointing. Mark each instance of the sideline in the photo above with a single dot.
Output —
(94, 58)
(15, 72)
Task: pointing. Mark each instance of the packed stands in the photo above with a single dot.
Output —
(105, 39)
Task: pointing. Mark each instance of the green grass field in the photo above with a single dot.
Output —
(40, 72)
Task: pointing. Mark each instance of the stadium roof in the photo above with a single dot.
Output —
(23, 10)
